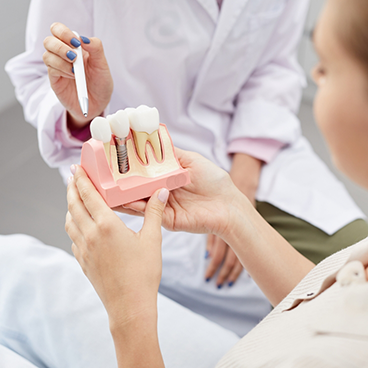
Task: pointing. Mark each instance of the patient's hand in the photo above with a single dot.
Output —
(204, 206)
(123, 266)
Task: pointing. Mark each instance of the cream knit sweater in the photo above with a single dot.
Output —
(321, 323)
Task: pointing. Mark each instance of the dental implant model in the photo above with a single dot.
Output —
(131, 155)
(101, 131)
(119, 124)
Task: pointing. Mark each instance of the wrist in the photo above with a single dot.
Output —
(129, 320)
(136, 340)
(245, 172)
(127, 306)
(237, 218)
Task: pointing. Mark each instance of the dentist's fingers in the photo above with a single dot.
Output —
(59, 65)
(55, 75)
(95, 49)
(217, 256)
(60, 49)
(230, 262)
(235, 273)
(210, 242)
(64, 34)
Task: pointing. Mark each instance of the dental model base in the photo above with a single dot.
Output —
(130, 156)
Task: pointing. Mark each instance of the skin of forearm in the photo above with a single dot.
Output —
(136, 340)
(245, 172)
(272, 262)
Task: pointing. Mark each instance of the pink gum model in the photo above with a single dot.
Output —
(141, 180)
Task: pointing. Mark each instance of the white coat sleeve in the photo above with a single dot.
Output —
(267, 104)
(29, 75)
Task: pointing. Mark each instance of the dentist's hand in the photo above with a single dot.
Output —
(245, 173)
(59, 58)
(204, 206)
(124, 267)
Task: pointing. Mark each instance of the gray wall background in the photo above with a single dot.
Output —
(32, 196)
(13, 16)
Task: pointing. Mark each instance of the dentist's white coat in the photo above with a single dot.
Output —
(214, 77)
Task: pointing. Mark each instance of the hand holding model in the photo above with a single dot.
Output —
(125, 267)
(212, 204)
(202, 207)
(59, 58)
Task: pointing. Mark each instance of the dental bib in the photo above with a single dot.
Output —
(127, 168)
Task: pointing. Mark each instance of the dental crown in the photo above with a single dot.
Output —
(119, 123)
(144, 119)
(100, 129)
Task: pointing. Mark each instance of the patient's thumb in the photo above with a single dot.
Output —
(154, 210)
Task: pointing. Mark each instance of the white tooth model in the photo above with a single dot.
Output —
(119, 124)
(151, 166)
(145, 123)
(101, 131)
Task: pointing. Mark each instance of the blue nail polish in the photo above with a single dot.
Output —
(85, 39)
(208, 279)
(219, 286)
(75, 42)
(71, 55)
(206, 254)
(231, 283)
(73, 69)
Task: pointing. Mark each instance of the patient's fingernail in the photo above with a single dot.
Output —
(85, 39)
(231, 283)
(73, 169)
(206, 255)
(70, 179)
(208, 279)
(219, 286)
(163, 195)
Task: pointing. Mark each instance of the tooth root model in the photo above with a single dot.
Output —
(101, 131)
(145, 123)
(119, 124)
(149, 168)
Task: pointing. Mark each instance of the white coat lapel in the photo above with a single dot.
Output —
(211, 7)
(230, 12)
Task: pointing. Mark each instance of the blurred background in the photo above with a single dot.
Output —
(32, 196)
